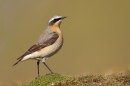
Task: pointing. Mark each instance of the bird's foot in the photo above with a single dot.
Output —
(49, 73)
(37, 77)
(52, 73)
(56, 73)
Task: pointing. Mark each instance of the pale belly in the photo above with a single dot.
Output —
(45, 52)
(50, 50)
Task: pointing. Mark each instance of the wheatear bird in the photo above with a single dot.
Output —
(49, 43)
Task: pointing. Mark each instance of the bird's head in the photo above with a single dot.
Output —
(56, 20)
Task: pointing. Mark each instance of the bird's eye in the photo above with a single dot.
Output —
(54, 21)
(57, 19)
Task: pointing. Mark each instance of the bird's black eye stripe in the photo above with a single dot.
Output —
(54, 21)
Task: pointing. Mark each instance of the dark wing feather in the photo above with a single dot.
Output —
(38, 46)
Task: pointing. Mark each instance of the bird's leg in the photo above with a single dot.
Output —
(38, 62)
(48, 67)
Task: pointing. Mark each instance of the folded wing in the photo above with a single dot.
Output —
(49, 40)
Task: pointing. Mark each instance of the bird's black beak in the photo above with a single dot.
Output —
(64, 17)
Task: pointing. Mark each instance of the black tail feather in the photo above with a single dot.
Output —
(17, 62)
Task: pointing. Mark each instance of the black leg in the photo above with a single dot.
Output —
(38, 62)
(48, 67)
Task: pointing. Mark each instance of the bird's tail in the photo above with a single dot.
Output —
(17, 62)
